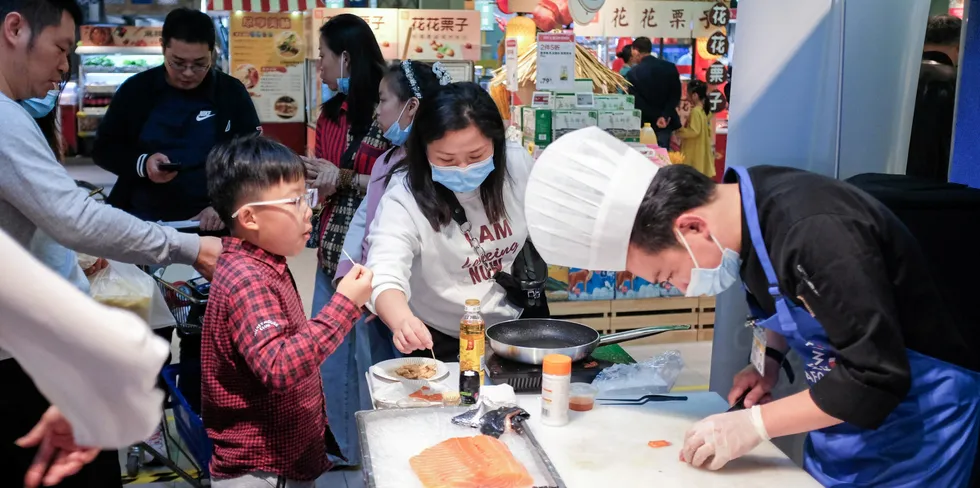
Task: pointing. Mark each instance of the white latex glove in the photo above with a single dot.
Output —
(322, 175)
(718, 439)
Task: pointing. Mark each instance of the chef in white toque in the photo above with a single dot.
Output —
(828, 271)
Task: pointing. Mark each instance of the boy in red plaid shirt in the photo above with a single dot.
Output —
(262, 397)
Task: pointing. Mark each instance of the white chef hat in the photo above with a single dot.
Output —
(582, 199)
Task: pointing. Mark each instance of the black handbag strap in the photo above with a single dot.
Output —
(356, 137)
(529, 255)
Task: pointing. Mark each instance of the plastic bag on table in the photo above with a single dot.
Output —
(651, 377)
(493, 412)
(125, 286)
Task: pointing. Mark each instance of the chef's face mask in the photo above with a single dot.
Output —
(462, 180)
(343, 83)
(710, 282)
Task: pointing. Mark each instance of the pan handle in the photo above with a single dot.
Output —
(638, 334)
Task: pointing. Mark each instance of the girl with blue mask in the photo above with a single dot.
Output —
(401, 93)
(349, 143)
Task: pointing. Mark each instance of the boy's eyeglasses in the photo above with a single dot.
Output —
(309, 197)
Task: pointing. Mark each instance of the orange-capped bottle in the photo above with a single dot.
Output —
(556, 379)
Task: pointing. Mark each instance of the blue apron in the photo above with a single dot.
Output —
(929, 440)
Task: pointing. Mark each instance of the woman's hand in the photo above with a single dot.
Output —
(322, 175)
(410, 335)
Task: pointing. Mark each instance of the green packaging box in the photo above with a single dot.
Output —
(623, 124)
(565, 121)
(615, 101)
(537, 126)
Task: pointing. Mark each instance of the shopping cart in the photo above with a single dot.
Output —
(190, 428)
(187, 301)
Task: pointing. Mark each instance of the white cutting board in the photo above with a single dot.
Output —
(607, 447)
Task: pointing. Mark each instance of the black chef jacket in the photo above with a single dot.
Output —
(874, 293)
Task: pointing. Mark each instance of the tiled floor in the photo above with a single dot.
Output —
(697, 356)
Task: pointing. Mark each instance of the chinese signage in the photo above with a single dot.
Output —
(655, 19)
(716, 101)
(120, 36)
(556, 62)
(435, 35)
(717, 74)
(383, 21)
(267, 56)
(432, 35)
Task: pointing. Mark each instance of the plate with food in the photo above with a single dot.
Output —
(248, 74)
(411, 369)
(289, 44)
(405, 395)
(286, 107)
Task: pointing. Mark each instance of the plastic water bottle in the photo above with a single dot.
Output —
(647, 135)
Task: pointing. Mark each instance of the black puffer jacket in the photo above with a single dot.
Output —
(932, 122)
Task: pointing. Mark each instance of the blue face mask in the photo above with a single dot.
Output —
(395, 134)
(39, 107)
(326, 93)
(343, 83)
(463, 180)
(710, 282)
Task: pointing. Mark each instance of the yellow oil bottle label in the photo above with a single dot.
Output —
(471, 351)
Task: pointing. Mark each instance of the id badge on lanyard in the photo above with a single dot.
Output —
(758, 356)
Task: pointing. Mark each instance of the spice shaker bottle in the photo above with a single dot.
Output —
(556, 381)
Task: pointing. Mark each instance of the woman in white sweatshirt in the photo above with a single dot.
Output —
(424, 266)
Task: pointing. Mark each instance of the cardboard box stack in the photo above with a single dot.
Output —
(551, 115)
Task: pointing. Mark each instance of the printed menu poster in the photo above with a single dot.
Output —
(435, 35)
(383, 21)
(267, 55)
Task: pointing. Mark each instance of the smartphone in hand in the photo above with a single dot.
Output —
(171, 166)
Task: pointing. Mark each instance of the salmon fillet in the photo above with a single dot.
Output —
(470, 462)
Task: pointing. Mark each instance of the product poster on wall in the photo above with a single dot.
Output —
(119, 36)
(435, 35)
(383, 21)
(267, 55)
(556, 62)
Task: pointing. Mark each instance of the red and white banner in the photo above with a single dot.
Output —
(265, 5)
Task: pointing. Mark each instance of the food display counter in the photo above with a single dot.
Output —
(109, 55)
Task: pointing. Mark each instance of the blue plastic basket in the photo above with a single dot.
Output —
(190, 427)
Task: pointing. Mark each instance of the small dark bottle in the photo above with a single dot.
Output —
(469, 387)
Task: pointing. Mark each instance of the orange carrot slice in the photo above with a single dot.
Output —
(656, 444)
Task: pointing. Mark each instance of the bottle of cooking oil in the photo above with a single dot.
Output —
(648, 136)
(472, 344)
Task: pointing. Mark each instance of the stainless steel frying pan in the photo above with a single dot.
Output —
(530, 340)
